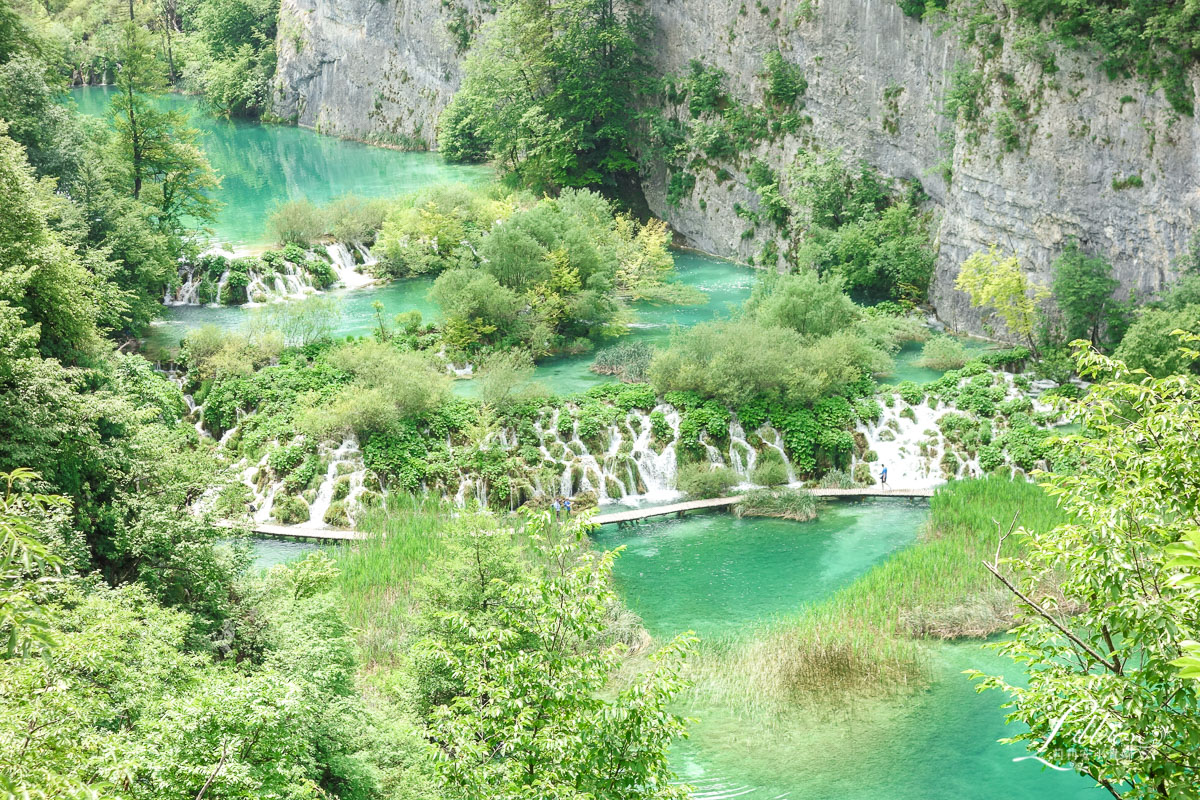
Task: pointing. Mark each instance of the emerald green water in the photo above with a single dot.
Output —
(716, 574)
(261, 165)
(270, 552)
(720, 576)
(907, 369)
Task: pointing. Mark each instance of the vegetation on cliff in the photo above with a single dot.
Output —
(551, 94)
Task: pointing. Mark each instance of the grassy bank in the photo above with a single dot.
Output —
(866, 638)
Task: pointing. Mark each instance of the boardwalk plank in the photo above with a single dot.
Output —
(617, 517)
(633, 515)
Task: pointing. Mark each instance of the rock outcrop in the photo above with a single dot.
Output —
(1106, 162)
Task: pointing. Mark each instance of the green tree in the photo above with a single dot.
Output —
(40, 275)
(550, 93)
(528, 720)
(126, 701)
(1150, 343)
(1104, 694)
(25, 560)
(803, 301)
(155, 148)
(1083, 291)
(1000, 285)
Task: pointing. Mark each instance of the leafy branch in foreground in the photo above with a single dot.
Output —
(24, 562)
(1106, 695)
(529, 666)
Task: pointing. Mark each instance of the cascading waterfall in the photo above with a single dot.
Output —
(345, 464)
(906, 441)
(775, 442)
(348, 272)
(742, 457)
(909, 442)
(264, 284)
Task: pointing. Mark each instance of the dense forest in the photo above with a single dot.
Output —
(465, 629)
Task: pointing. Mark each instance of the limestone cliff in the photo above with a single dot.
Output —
(1106, 162)
(376, 70)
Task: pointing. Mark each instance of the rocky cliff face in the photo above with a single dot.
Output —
(376, 70)
(1105, 162)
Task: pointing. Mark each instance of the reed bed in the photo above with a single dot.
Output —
(793, 504)
(866, 638)
(377, 575)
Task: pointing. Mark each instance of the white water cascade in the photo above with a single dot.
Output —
(267, 283)
(345, 469)
(350, 275)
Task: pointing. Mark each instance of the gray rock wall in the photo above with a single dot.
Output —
(376, 70)
(372, 69)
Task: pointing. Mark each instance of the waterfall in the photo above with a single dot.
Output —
(342, 261)
(903, 442)
(221, 283)
(656, 471)
(188, 293)
(196, 412)
(742, 457)
(776, 444)
(347, 456)
(266, 283)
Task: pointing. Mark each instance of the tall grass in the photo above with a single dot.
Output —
(866, 637)
(795, 504)
(377, 575)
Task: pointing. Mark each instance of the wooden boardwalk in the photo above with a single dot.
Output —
(636, 514)
(295, 532)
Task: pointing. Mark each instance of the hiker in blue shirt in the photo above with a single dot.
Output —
(567, 505)
(883, 477)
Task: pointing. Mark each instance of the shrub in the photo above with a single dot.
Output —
(704, 480)
(785, 80)
(659, 427)
(739, 361)
(770, 470)
(296, 222)
(629, 361)
(355, 220)
(835, 479)
(943, 353)
(1150, 345)
(910, 392)
(289, 510)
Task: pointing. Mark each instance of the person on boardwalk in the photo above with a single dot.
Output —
(883, 477)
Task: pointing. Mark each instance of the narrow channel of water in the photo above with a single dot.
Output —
(720, 576)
